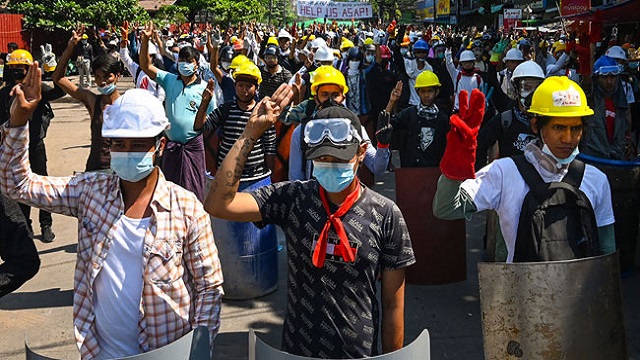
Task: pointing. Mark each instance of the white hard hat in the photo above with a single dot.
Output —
(318, 42)
(169, 43)
(616, 52)
(135, 114)
(284, 34)
(528, 69)
(513, 54)
(323, 54)
(467, 55)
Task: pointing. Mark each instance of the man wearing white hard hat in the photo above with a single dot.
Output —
(466, 78)
(505, 95)
(145, 245)
(620, 56)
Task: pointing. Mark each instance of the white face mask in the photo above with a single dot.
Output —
(561, 162)
(354, 64)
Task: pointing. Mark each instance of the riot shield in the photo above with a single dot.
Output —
(439, 245)
(568, 309)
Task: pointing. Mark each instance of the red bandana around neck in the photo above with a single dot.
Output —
(343, 247)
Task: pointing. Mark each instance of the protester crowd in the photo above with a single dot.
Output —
(281, 120)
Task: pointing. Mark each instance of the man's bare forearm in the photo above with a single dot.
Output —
(225, 184)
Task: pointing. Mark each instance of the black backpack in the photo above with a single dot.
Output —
(557, 221)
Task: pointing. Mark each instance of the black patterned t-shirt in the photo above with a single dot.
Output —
(332, 312)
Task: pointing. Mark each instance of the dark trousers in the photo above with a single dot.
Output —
(38, 159)
(17, 250)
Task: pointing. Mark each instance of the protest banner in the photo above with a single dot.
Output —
(334, 10)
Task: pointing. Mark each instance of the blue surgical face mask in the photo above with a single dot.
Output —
(404, 51)
(634, 65)
(132, 166)
(370, 58)
(334, 177)
(561, 162)
(107, 89)
(186, 68)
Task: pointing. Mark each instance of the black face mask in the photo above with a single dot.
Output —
(329, 103)
(13, 75)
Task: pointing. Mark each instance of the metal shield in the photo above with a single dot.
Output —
(553, 310)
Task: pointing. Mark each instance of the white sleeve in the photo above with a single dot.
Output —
(128, 62)
(553, 69)
(451, 68)
(603, 208)
(485, 189)
(629, 92)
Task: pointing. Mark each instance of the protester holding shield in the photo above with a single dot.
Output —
(560, 109)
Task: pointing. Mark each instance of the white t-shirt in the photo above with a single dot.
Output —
(500, 187)
(118, 290)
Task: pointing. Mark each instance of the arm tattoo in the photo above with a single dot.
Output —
(241, 159)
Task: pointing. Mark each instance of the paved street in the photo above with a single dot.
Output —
(41, 311)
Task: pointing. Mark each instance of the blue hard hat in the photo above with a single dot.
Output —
(421, 45)
(606, 65)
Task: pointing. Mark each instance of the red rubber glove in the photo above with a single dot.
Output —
(459, 157)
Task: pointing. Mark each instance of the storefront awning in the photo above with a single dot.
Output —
(624, 12)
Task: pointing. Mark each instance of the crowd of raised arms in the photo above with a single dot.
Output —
(255, 126)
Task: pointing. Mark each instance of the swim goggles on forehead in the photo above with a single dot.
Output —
(336, 130)
(609, 70)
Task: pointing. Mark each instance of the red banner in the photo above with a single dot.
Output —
(570, 7)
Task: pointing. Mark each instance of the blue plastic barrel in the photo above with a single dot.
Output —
(248, 255)
(624, 179)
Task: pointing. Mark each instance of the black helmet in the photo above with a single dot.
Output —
(226, 53)
(355, 54)
(270, 50)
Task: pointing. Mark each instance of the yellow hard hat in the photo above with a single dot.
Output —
(20, 57)
(559, 46)
(327, 74)
(48, 68)
(238, 60)
(84, 37)
(427, 78)
(231, 40)
(272, 41)
(368, 41)
(560, 97)
(435, 37)
(346, 44)
(248, 69)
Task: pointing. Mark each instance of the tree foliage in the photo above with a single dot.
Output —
(390, 9)
(281, 12)
(224, 12)
(65, 14)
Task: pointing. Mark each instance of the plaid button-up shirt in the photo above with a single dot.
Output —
(182, 274)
